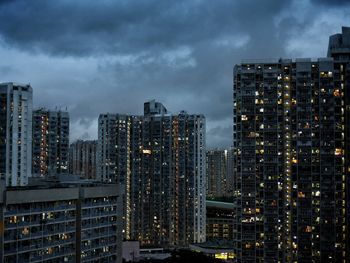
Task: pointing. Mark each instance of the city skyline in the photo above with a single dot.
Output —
(180, 53)
(239, 152)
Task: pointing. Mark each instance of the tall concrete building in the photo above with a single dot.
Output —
(16, 102)
(289, 139)
(218, 181)
(113, 158)
(339, 50)
(160, 158)
(50, 142)
(82, 158)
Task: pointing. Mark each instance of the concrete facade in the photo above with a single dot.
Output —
(69, 223)
(16, 103)
(219, 173)
(50, 142)
(82, 158)
(220, 221)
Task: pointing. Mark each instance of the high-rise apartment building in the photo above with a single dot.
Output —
(290, 182)
(50, 142)
(160, 158)
(16, 102)
(82, 158)
(339, 50)
(113, 158)
(218, 181)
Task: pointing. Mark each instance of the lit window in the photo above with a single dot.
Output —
(301, 195)
(338, 151)
(336, 93)
(146, 151)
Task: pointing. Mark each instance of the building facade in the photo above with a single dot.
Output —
(220, 221)
(290, 188)
(219, 183)
(16, 102)
(61, 224)
(82, 158)
(50, 142)
(160, 158)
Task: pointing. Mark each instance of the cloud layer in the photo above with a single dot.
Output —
(111, 56)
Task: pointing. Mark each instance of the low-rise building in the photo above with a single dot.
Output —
(61, 222)
(219, 220)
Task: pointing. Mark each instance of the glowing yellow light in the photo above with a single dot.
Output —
(221, 256)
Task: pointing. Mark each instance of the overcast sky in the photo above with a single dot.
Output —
(110, 56)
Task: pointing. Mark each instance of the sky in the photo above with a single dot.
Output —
(93, 57)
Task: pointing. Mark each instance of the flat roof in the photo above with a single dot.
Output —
(218, 204)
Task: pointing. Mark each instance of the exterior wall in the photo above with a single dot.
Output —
(290, 183)
(218, 176)
(135, 186)
(219, 222)
(61, 225)
(50, 142)
(82, 158)
(98, 229)
(40, 231)
(16, 133)
(131, 251)
(114, 130)
(230, 172)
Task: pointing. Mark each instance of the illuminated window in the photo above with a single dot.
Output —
(326, 74)
(147, 151)
(308, 229)
(338, 151)
(25, 231)
(222, 256)
(301, 195)
(336, 93)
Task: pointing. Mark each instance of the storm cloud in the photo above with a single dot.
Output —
(93, 57)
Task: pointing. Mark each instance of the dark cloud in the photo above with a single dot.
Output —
(111, 56)
(218, 135)
(335, 3)
(87, 28)
(4, 70)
